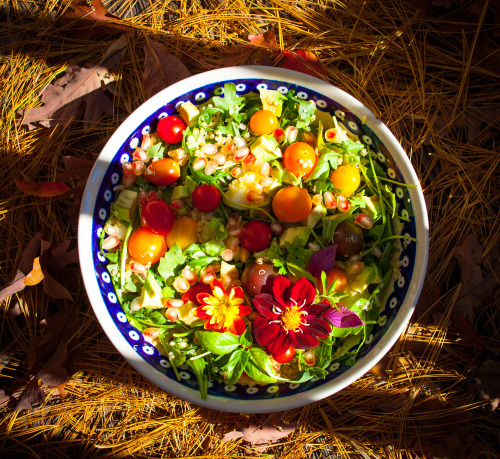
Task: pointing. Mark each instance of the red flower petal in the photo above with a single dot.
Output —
(191, 294)
(280, 284)
(238, 292)
(264, 304)
(200, 313)
(200, 298)
(303, 290)
(317, 327)
(238, 326)
(244, 310)
(265, 332)
(304, 341)
(281, 343)
(218, 283)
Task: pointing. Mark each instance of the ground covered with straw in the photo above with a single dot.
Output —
(428, 68)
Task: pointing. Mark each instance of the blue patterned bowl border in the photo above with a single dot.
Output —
(110, 176)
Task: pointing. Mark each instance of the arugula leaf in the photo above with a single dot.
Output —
(218, 343)
(213, 248)
(171, 262)
(199, 366)
(157, 151)
(327, 161)
(230, 101)
(201, 262)
(306, 111)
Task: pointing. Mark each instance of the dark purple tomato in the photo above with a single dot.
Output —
(206, 198)
(158, 216)
(257, 278)
(349, 239)
(256, 236)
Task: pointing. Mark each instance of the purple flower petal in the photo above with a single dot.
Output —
(322, 260)
(344, 318)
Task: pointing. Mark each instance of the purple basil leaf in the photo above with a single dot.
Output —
(322, 260)
(343, 318)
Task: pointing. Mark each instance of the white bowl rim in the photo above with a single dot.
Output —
(224, 75)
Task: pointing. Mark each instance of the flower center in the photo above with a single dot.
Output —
(291, 318)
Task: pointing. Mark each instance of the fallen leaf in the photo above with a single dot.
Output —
(254, 53)
(76, 167)
(259, 435)
(161, 68)
(53, 373)
(96, 15)
(303, 61)
(25, 266)
(62, 257)
(31, 395)
(63, 98)
(267, 40)
(43, 189)
(484, 380)
(35, 276)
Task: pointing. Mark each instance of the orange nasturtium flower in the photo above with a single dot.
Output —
(223, 311)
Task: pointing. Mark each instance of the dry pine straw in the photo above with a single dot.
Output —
(427, 72)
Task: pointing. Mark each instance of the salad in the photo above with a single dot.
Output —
(251, 239)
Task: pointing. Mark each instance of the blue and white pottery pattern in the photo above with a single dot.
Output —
(398, 290)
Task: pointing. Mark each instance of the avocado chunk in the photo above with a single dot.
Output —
(186, 314)
(151, 296)
(370, 275)
(265, 148)
(373, 207)
(181, 192)
(315, 216)
(189, 113)
(290, 234)
(126, 205)
(272, 100)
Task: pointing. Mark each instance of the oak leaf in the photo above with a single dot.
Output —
(31, 395)
(62, 98)
(254, 53)
(43, 189)
(303, 61)
(76, 167)
(161, 68)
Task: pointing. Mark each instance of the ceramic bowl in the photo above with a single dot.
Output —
(401, 296)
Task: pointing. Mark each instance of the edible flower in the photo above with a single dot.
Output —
(223, 311)
(289, 317)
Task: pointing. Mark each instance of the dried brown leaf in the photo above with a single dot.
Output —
(53, 373)
(76, 167)
(36, 275)
(62, 98)
(32, 394)
(246, 55)
(484, 380)
(161, 68)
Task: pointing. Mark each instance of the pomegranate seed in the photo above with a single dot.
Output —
(138, 267)
(244, 254)
(151, 332)
(127, 167)
(207, 278)
(116, 229)
(364, 221)
(136, 304)
(317, 199)
(140, 154)
(232, 243)
(209, 149)
(147, 142)
(277, 228)
(354, 268)
(377, 252)
(220, 159)
(330, 201)
(239, 142)
(279, 135)
(310, 358)
(330, 134)
(228, 148)
(291, 133)
(249, 160)
(172, 314)
(356, 257)
(265, 169)
(189, 274)
(236, 172)
(174, 303)
(199, 163)
(210, 168)
(241, 153)
(227, 255)
(179, 155)
(343, 203)
(177, 204)
(128, 180)
(236, 232)
(142, 197)
(309, 137)
(181, 285)
(111, 242)
(266, 182)
(253, 196)
(137, 167)
(276, 365)
(234, 220)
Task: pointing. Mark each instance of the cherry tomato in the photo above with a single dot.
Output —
(257, 278)
(263, 122)
(331, 276)
(145, 247)
(206, 198)
(170, 129)
(299, 159)
(256, 236)
(192, 293)
(158, 216)
(184, 232)
(349, 239)
(292, 204)
(163, 172)
(285, 356)
(346, 179)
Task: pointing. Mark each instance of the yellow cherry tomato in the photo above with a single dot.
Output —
(263, 122)
(145, 246)
(184, 232)
(292, 204)
(300, 159)
(345, 179)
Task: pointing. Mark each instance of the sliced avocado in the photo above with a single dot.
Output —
(126, 205)
(190, 183)
(272, 100)
(208, 234)
(265, 148)
(151, 296)
(369, 275)
(315, 216)
(373, 206)
(186, 314)
(189, 113)
(290, 234)
(227, 269)
(181, 192)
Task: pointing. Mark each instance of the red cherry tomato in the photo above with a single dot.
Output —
(171, 129)
(145, 247)
(256, 236)
(158, 216)
(206, 198)
(300, 159)
(285, 356)
(192, 293)
(163, 172)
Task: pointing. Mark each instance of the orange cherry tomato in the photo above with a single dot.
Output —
(145, 246)
(184, 232)
(263, 122)
(331, 276)
(299, 159)
(163, 172)
(292, 204)
(346, 179)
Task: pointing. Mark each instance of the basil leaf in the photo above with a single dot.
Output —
(259, 367)
(235, 366)
(246, 339)
(218, 343)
